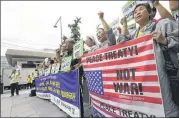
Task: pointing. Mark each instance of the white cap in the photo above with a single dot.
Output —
(92, 38)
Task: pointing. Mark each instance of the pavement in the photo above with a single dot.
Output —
(25, 106)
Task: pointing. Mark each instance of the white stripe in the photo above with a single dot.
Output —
(148, 52)
(138, 46)
(143, 73)
(155, 109)
(66, 110)
(118, 113)
(153, 95)
(143, 83)
(148, 62)
(106, 115)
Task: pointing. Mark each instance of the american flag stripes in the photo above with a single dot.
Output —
(137, 91)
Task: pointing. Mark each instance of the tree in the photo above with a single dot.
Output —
(75, 33)
(64, 39)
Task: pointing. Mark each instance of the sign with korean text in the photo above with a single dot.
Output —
(62, 90)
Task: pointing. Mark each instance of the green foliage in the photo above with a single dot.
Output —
(75, 29)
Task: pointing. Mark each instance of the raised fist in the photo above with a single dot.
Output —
(101, 15)
(123, 21)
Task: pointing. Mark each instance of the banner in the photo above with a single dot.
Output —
(123, 80)
(41, 87)
(64, 91)
(78, 49)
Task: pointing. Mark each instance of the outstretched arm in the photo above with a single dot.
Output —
(164, 13)
(124, 26)
(104, 23)
(108, 31)
(174, 5)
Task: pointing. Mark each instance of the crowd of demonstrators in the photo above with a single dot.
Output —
(165, 33)
(14, 81)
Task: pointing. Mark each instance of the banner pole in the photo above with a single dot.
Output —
(81, 97)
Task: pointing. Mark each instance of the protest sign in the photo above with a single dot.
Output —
(128, 9)
(63, 89)
(123, 80)
(114, 25)
(78, 49)
(66, 63)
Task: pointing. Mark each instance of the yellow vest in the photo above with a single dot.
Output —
(29, 80)
(14, 78)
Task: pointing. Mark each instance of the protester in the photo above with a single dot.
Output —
(14, 82)
(119, 30)
(34, 75)
(68, 47)
(105, 35)
(67, 51)
(174, 7)
(91, 43)
(47, 66)
(29, 82)
(164, 13)
(124, 30)
(55, 66)
(165, 34)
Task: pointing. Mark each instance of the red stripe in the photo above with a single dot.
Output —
(151, 89)
(150, 67)
(106, 112)
(114, 106)
(131, 97)
(131, 42)
(122, 100)
(118, 62)
(153, 78)
(140, 50)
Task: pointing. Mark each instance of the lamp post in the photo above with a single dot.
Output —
(55, 26)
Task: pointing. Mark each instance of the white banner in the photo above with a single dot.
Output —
(66, 107)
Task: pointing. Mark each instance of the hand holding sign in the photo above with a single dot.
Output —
(101, 15)
(159, 38)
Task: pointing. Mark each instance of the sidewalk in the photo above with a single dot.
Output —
(25, 106)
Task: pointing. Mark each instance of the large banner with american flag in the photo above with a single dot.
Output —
(123, 80)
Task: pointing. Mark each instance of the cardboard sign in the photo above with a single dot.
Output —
(66, 63)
